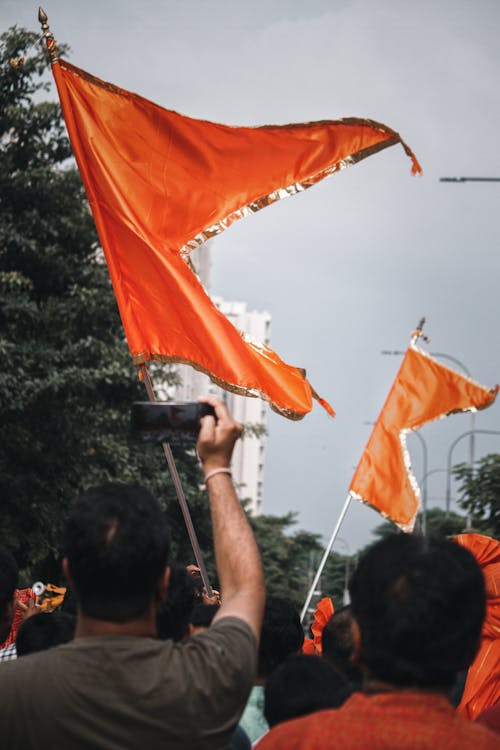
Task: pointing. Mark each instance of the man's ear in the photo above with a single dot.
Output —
(66, 572)
(357, 646)
(162, 585)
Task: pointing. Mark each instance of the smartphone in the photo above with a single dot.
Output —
(164, 422)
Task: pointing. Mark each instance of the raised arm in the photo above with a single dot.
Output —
(236, 553)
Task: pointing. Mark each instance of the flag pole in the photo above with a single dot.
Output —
(325, 556)
(146, 378)
(51, 46)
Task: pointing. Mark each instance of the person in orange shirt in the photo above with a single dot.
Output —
(418, 606)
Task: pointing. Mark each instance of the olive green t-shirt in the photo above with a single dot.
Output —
(130, 693)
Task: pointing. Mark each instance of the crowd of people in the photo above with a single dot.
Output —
(138, 657)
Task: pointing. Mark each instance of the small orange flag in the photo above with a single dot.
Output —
(424, 390)
(160, 184)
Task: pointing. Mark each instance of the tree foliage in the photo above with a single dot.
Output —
(480, 493)
(439, 523)
(286, 556)
(67, 381)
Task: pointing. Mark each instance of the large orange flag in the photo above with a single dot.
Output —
(424, 390)
(159, 184)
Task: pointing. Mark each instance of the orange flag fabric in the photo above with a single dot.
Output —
(324, 611)
(159, 184)
(482, 687)
(424, 390)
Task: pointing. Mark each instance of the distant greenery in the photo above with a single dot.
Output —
(480, 493)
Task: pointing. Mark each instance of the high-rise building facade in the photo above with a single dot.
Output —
(248, 457)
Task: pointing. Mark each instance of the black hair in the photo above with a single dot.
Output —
(203, 614)
(337, 644)
(174, 614)
(303, 683)
(8, 579)
(117, 547)
(44, 630)
(281, 634)
(69, 603)
(419, 603)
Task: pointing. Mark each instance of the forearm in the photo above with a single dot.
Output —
(236, 552)
(237, 556)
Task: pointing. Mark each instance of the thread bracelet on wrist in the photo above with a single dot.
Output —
(214, 472)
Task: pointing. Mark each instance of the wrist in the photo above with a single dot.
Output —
(220, 470)
(215, 462)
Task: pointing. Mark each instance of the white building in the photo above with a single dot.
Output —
(248, 457)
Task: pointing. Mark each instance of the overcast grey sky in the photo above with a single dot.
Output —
(349, 267)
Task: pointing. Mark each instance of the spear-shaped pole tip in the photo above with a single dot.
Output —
(42, 17)
(419, 333)
(49, 37)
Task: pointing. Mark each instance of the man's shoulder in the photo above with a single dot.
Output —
(235, 625)
(360, 721)
(229, 639)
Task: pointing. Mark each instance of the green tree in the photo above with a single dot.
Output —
(288, 558)
(439, 523)
(67, 382)
(480, 493)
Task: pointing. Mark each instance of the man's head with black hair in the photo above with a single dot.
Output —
(174, 613)
(337, 643)
(419, 603)
(116, 549)
(281, 634)
(202, 616)
(301, 685)
(44, 630)
(8, 585)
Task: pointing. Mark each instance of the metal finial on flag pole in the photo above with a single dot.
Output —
(49, 36)
(418, 333)
(180, 492)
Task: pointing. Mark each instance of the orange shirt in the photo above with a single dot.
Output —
(385, 721)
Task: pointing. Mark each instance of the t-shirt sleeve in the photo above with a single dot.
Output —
(218, 669)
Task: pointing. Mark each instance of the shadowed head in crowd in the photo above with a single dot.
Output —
(174, 614)
(281, 634)
(45, 630)
(8, 585)
(419, 604)
(302, 684)
(117, 547)
(337, 644)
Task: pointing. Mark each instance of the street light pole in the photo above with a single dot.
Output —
(450, 451)
(345, 597)
(424, 481)
(469, 179)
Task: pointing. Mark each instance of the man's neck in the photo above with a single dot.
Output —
(371, 686)
(143, 627)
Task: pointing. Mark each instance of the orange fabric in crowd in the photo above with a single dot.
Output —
(160, 183)
(482, 687)
(24, 596)
(424, 390)
(322, 614)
